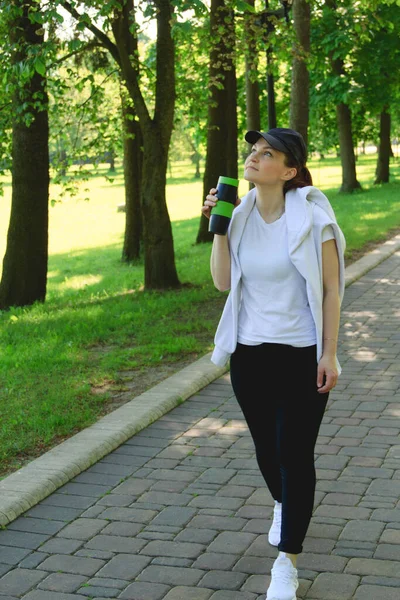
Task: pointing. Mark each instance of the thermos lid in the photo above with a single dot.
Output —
(228, 181)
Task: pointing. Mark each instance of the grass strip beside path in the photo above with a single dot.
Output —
(99, 340)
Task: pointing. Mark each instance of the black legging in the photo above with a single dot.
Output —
(276, 387)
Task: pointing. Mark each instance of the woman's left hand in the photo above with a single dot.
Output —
(327, 372)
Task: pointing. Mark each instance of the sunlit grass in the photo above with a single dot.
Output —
(97, 320)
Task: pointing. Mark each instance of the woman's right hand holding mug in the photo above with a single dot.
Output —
(210, 201)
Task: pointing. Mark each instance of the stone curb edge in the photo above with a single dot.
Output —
(29, 485)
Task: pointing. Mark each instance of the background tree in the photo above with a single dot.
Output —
(222, 156)
(24, 274)
(299, 96)
(160, 270)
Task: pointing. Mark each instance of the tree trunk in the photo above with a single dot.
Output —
(159, 261)
(25, 263)
(253, 119)
(133, 163)
(112, 161)
(222, 156)
(299, 98)
(349, 177)
(385, 147)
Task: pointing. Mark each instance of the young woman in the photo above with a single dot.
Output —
(283, 262)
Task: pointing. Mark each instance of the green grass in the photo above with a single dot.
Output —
(97, 322)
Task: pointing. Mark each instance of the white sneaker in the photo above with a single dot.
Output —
(274, 534)
(284, 582)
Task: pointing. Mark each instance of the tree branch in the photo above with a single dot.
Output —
(104, 39)
(127, 46)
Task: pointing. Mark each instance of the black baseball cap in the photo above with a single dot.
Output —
(282, 139)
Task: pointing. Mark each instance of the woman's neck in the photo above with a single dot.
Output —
(270, 202)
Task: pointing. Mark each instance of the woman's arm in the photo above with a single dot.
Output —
(331, 317)
(221, 263)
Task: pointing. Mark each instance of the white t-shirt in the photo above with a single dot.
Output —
(274, 306)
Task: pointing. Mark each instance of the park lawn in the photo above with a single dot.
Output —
(63, 361)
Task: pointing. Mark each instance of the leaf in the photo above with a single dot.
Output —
(40, 66)
(244, 7)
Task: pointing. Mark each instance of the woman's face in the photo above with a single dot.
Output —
(266, 166)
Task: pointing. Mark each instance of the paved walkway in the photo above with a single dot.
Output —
(181, 512)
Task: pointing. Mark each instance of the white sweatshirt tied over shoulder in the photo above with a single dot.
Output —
(308, 211)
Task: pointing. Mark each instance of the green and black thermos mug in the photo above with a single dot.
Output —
(221, 213)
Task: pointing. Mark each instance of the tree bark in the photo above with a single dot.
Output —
(222, 156)
(347, 157)
(299, 97)
(253, 119)
(385, 148)
(133, 169)
(25, 263)
(159, 260)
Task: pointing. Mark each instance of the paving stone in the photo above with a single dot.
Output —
(199, 536)
(343, 512)
(19, 539)
(122, 529)
(68, 501)
(62, 582)
(373, 566)
(178, 516)
(387, 581)
(362, 530)
(254, 565)
(388, 551)
(118, 544)
(145, 591)
(58, 513)
(390, 536)
(93, 592)
(72, 564)
(156, 535)
(31, 525)
(232, 595)
(44, 595)
(171, 575)
(332, 586)
(129, 514)
(20, 581)
(231, 542)
(118, 584)
(353, 552)
(12, 556)
(257, 584)
(320, 530)
(341, 499)
(164, 485)
(337, 462)
(212, 560)
(84, 489)
(100, 554)
(166, 498)
(83, 529)
(386, 515)
(109, 479)
(124, 566)
(174, 475)
(188, 593)
(318, 562)
(254, 512)
(381, 487)
(61, 546)
(32, 561)
(214, 475)
(171, 561)
(177, 549)
(226, 580)
(93, 512)
(374, 592)
(217, 523)
(216, 502)
(372, 472)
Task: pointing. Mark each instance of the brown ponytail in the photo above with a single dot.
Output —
(301, 179)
